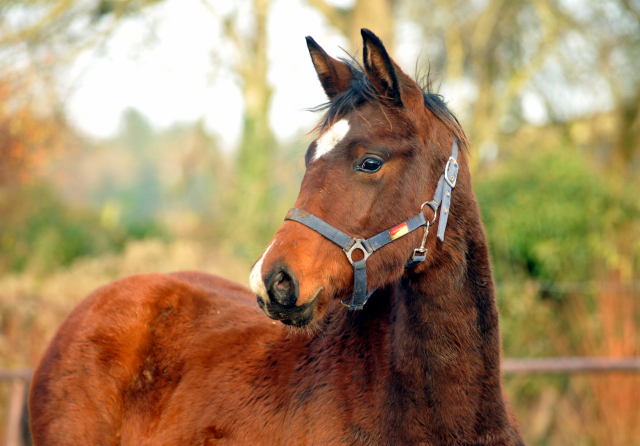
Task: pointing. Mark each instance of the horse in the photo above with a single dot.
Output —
(379, 331)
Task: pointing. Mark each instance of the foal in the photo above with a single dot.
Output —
(185, 358)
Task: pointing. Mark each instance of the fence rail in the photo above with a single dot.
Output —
(570, 364)
(576, 364)
(11, 374)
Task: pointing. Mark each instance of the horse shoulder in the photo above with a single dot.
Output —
(127, 346)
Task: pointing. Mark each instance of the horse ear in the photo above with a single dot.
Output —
(385, 75)
(335, 76)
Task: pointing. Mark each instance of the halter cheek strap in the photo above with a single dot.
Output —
(350, 244)
(446, 183)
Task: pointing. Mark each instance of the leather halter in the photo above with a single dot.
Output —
(348, 244)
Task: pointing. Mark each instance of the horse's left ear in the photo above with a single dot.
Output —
(386, 76)
(335, 76)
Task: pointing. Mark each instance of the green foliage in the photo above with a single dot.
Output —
(38, 231)
(551, 218)
(551, 215)
(557, 225)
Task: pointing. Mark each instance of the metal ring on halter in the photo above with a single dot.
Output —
(435, 212)
(357, 244)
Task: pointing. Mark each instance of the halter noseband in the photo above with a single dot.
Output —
(442, 195)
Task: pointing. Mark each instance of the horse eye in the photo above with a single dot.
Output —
(370, 165)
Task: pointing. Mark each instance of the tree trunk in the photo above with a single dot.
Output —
(376, 15)
(254, 183)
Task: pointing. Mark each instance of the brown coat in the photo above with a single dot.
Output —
(188, 358)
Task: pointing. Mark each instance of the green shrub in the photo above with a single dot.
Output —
(39, 232)
(552, 216)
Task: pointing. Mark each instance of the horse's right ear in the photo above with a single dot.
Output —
(335, 76)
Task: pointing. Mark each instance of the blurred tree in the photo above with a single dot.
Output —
(203, 177)
(551, 216)
(572, 58)
(38, 230)
(377, 15)
(612, 31)
(65, 26)
(27, 137)
(38, 33)
(136, 130)
(495, 46)
(252, 202)
(36, 38)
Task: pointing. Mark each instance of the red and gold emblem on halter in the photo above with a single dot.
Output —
(399, 231)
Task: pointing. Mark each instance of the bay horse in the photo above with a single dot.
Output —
(392, 334)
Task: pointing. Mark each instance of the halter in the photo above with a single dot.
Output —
(442, 195)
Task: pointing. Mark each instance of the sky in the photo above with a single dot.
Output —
(181, 74)
(172, 65)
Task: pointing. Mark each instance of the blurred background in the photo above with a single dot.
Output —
(159, 135)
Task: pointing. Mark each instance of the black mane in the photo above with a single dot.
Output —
(361, 91)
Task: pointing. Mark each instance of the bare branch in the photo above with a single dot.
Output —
(209, 7)
(337, 17)
(55, 12)
(631, 9)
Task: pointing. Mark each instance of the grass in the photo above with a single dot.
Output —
(33, 306)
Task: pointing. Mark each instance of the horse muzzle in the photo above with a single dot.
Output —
(278, 294)
(298, 316)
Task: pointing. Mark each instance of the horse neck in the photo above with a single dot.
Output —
(447, 315)
(442, 341)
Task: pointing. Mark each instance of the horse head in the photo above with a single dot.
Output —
(380, 150)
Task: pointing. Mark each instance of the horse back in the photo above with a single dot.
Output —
(126, 348)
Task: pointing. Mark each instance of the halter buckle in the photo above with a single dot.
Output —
(451, 177)
(357, 244)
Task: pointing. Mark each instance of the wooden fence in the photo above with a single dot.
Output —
(20, 379)
(576, 364)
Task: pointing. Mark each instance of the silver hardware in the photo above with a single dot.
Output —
(435, 213)
(454, 178)
(357, 245)
(422, 250)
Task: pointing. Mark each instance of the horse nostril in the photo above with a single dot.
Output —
(282, 282)
(283, 287)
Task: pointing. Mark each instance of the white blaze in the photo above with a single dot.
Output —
(255, 277)
(329, 139)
